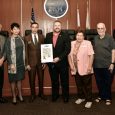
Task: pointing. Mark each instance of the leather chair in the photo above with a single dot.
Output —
(114, 33)
(27, 32)
(90, 34)
(4, 33)
(71, 33)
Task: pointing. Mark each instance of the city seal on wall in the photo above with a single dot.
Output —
(56, 8)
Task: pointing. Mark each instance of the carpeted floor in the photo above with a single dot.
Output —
(40, 107)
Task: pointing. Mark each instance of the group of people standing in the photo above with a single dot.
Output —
(22, 54)
(86, 59)
(83, 59)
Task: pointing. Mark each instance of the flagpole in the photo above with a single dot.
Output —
(78, 18)
(21, 20)
(31, 2)
(87, 17)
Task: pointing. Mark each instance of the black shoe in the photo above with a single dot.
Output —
(54, 99)
(3, 100)
(32, 98)
(65, 100)
(42, 97)
(14, 103)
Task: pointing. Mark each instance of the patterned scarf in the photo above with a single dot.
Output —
(76, 49)
(13, 54)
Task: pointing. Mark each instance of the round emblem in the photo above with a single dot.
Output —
(56, 8)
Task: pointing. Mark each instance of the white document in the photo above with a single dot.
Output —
(46, 53)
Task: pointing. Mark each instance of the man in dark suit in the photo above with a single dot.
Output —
(59, 66)
(33, 60)
(2, 58)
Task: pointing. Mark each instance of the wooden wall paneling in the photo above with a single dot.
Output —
(26, 15)
(113, 14)
(9, 12)
(38, 11)
(113, 27)
(71, 15)
(26, 18)
(83, 11)
(101, 12)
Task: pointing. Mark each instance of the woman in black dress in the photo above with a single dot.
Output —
(15, 50)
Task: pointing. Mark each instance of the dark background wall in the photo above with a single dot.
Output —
(20, 11)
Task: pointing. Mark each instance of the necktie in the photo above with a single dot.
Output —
(35, 39)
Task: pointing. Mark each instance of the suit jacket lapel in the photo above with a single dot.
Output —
(32, 40)
(58, 39)
(39, 38)
(51, 38)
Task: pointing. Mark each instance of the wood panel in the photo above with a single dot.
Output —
(101, 12)
(10, 11)
(113, 14)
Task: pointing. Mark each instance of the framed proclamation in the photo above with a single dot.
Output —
(46, 53)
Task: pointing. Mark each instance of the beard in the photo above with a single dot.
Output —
(57, 30)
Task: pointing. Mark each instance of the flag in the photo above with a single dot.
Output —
(87, 17)
(32, 16)
(78, 17)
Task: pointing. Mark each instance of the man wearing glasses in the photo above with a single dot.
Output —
(104, 59)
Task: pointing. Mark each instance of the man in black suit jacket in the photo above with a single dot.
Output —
(2, 58)
(59, 66)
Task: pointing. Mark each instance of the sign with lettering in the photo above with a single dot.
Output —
(56, 8)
